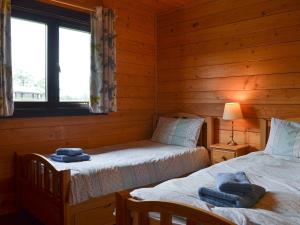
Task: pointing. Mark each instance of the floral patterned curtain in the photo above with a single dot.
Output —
(103, 62)
(6, 90)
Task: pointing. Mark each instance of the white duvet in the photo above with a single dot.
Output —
(279, 175)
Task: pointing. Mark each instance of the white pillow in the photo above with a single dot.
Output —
(284, 138)
(182, 132)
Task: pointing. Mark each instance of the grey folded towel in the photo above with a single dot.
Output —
(69, 151)
(234, 183)
(68, 159)
(222, 199)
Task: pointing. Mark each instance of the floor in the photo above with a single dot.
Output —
(19, 219)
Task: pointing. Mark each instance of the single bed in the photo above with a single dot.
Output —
(83, 193)
(280, 205)
(132, 165)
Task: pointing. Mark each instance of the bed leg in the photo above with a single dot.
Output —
(18, 178)
(122, 212)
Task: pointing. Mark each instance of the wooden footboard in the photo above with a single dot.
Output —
(127, 207)
(41, 189)
(43, 192)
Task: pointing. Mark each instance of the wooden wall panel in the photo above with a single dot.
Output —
(219, 51)
(206, 53)
(136, 94)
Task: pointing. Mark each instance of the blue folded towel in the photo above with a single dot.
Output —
(69, 151)
(68, 159)
(222, 199)
(234, 183)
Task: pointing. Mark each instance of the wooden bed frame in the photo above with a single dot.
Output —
(135, 212)
(130, 211)
(265, 126)
(43, 191)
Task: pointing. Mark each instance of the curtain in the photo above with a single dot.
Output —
(103, 62)
(6, 89)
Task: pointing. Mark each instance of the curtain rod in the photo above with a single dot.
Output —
(70, 5)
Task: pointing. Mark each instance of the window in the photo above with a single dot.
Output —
(50, 58)
(29, 56)
(74, 65)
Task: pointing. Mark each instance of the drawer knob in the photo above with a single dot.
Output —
(108, 205)
(224, 158)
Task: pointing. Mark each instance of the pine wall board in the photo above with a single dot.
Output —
(136, 42)
(190, 59)
(214, 52)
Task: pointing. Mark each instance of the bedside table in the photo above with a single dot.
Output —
(223, 152)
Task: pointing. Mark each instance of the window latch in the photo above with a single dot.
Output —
(58, 67)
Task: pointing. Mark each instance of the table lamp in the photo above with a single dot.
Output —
(232, 111)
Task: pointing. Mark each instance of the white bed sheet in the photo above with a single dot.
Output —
(130, 165)
(279, 175)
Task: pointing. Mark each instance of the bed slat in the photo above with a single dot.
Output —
(191, 222)
(39, 175)
(165, 219)
(47, 180)
(143, 218)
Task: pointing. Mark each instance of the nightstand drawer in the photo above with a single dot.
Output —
(220, 156)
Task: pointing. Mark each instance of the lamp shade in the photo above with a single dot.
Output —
(232, 111)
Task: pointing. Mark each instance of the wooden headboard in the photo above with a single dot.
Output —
(207, 133)
(265, 127)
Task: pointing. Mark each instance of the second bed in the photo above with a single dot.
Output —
(83, 193)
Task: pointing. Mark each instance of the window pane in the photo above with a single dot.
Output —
(29, 50)
(74, 57)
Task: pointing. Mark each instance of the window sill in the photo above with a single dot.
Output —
(42, 111)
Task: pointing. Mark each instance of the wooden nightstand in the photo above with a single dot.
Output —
(223, 152)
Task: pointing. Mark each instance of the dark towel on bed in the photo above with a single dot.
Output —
(68, 159)
(234, 183)
(222, 199)
(69, 151)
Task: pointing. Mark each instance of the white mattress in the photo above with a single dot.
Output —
(130, 165)
(279, 175)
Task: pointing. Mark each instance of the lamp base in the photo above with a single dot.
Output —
(232, 143)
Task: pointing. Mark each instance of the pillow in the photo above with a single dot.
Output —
(284, 138)
(182, 132)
